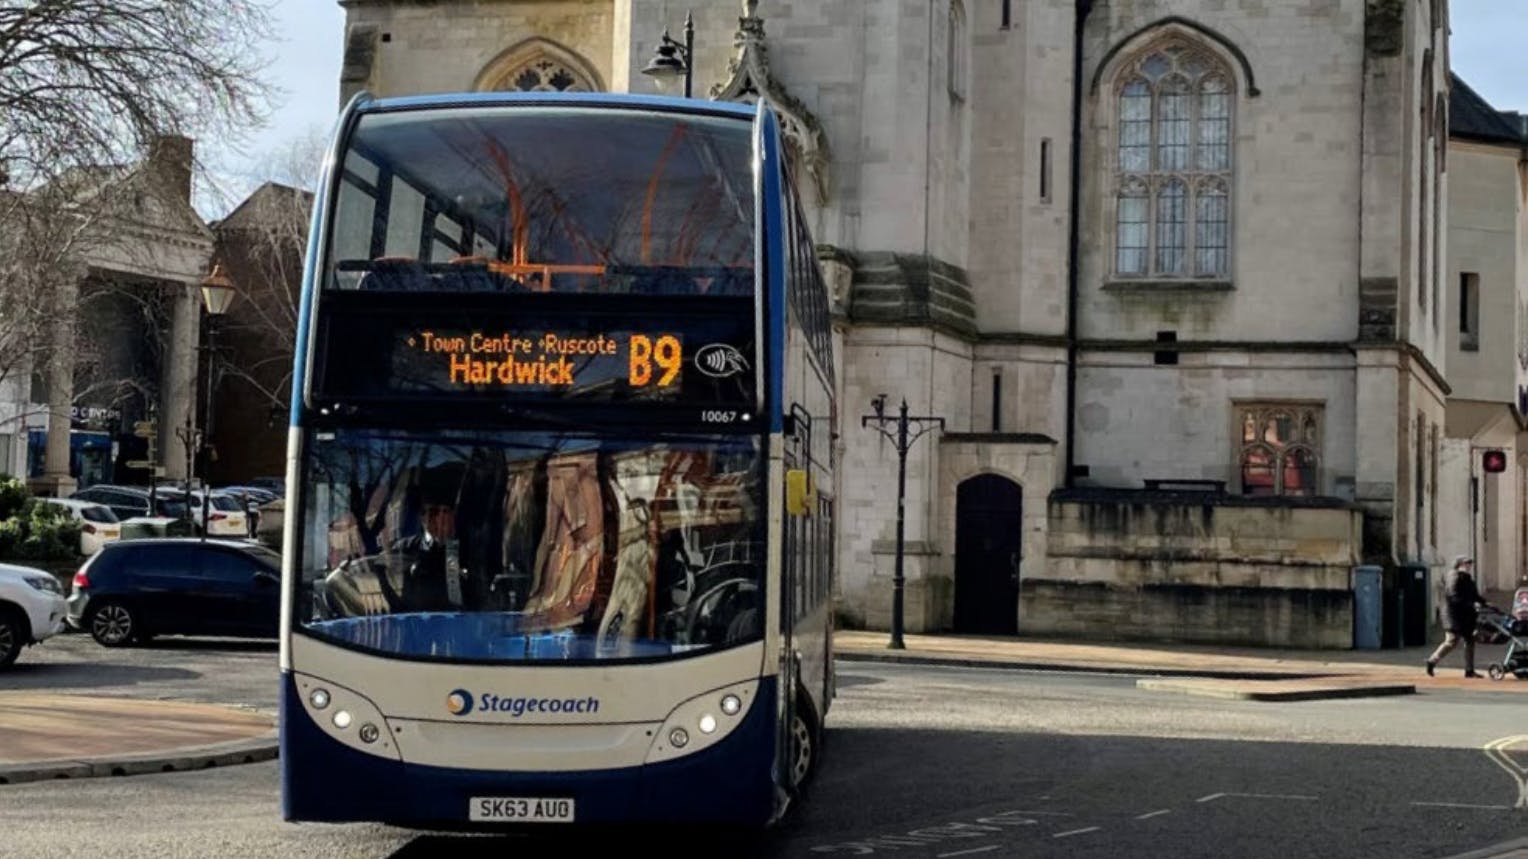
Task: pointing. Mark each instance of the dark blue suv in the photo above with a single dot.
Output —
(132, 590)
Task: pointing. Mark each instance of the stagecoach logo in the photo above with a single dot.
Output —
(720, 360)
(459, 702)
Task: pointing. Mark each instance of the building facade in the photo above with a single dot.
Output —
(1172, 271)
(1487, 315)
(113, 377)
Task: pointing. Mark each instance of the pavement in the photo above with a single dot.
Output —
(53, 736)
(1247, 673)
(46, 735)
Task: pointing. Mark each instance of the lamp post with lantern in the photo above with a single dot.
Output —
(217, 296)
(672, 59)
(896, 430)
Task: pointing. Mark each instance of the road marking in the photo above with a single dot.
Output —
(1214, 796)
(1072, 832)
(1463, 805)
(1499, 751)
(932, 835)
(1155, 813)
(969, 852)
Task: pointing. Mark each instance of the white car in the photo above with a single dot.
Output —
(99, 524)
(32, 608)
(226, 518)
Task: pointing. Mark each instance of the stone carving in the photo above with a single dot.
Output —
(750, 78)
(1384, 27)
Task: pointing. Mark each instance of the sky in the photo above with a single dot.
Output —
(1489, 48)
(304, 68)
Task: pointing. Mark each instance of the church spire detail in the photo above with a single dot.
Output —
(750, 78)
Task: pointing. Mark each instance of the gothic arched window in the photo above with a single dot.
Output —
(544, 74)
(1173, 164)
(538, 65)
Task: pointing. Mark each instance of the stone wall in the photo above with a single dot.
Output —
(1182, 566)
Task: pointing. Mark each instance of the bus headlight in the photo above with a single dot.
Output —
(695, 725)
(346, 716)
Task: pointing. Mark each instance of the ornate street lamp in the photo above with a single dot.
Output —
(896, 429)
(217, 292)
(217, 296)
(672, 59)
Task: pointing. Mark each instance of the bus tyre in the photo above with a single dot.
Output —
(13, 633)
(803, 749)
(111, 624)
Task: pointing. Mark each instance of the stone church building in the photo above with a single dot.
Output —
(1175, 273)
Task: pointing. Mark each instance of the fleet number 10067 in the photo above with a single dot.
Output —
(723, 416)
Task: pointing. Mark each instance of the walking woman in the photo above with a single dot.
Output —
(1460, 600)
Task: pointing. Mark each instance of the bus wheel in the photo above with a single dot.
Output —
(803, 749)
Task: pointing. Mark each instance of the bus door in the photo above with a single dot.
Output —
(798, 456)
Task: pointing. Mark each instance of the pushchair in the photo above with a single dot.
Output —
(1514, 627)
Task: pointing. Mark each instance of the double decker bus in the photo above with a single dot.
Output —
(559, 537)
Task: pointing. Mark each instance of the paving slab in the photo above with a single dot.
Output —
(45, 736)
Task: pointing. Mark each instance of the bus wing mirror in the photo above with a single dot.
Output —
(800, 494)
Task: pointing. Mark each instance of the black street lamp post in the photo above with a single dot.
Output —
(673, 59)
(217, 295)
(896, 429)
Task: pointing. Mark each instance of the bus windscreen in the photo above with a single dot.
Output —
(531, 546)
(545, 199)
(542, 253)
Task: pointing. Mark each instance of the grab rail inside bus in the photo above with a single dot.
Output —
(477, 273)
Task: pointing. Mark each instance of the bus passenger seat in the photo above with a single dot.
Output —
(396, 274)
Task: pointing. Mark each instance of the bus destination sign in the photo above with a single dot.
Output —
(646, 361)
(505, 353)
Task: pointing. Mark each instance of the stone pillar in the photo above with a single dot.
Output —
(56, 481)
(178, 391)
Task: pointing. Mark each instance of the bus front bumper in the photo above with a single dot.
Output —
(729, 783)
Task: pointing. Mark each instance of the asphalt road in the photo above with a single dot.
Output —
(921, 762)
(241, 673)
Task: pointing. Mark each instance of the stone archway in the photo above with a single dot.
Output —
(989, 515)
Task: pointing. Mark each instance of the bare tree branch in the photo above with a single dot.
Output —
(88, 88)
(263, 245)
(85, 83)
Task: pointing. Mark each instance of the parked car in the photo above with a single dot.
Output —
(254, 493)
(274, 484)
(99, 524)
(130, 501)
(31, 609)
(226, 517)
(133, 590)
(254, 499)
